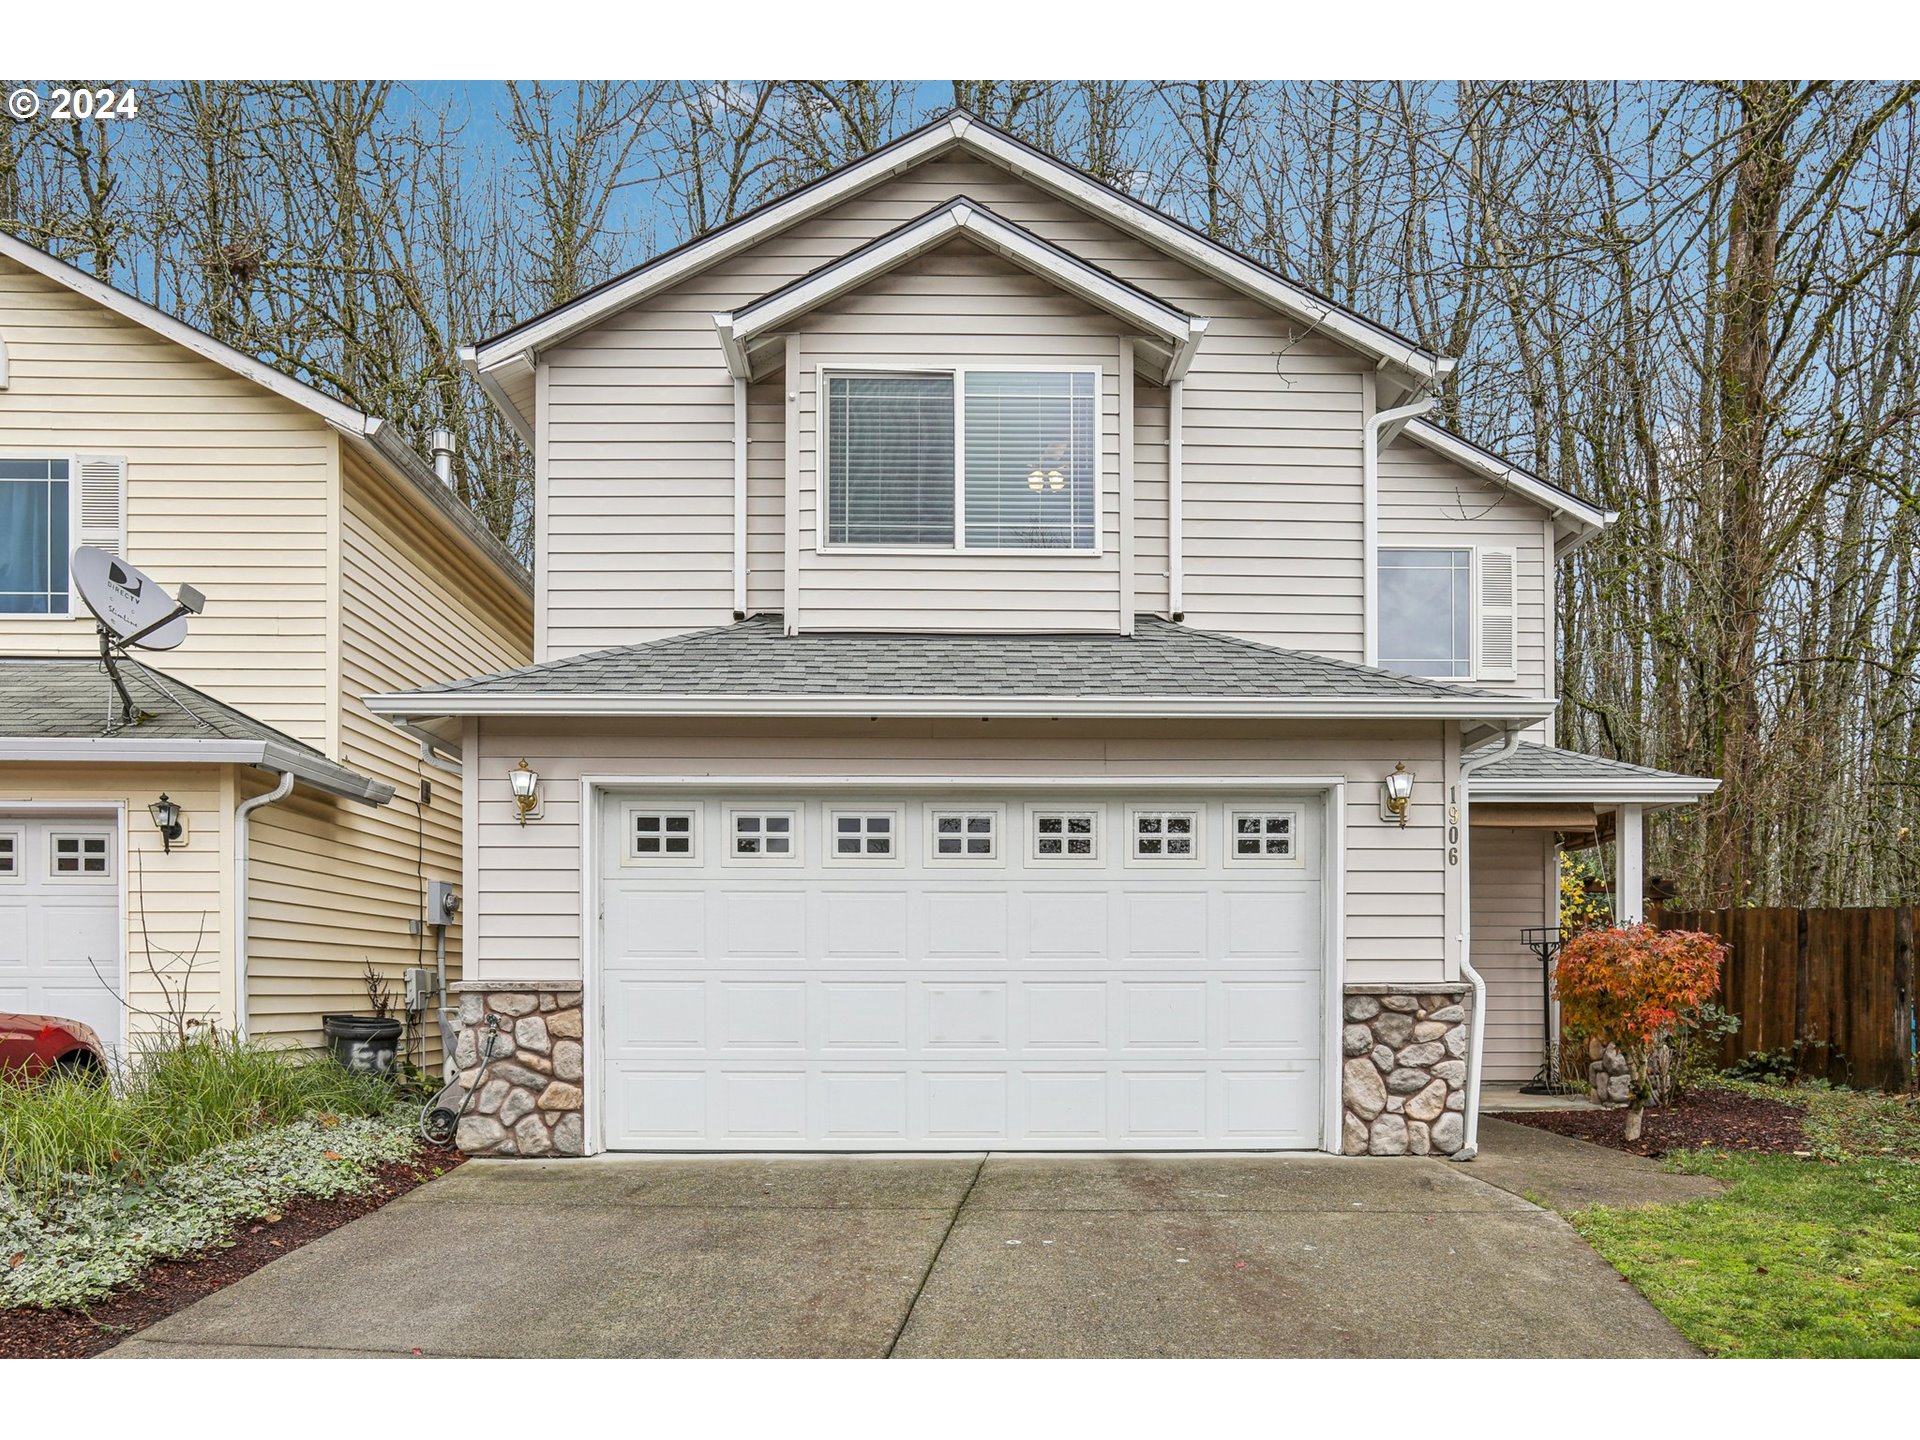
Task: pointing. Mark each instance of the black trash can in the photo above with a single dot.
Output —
(363, 1043)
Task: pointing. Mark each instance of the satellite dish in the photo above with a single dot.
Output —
(130, 604)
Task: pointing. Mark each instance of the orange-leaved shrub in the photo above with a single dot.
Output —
(1634, 986)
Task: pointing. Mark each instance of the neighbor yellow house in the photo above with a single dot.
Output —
(335, 564)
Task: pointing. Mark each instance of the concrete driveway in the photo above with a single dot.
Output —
(976, 1255)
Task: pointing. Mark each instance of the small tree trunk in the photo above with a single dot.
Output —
(1636, 1111)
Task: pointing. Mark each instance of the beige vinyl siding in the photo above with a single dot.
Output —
(528, 908)
(639, 484)
(958, 305)
(228, 488)
(1511, 890)
(335, 882)
(1150, 503)
(177, 905)
(1426, 499)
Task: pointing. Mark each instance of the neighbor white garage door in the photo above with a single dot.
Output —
(60, 930)
(899, 970)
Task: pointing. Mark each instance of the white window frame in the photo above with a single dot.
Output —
(931, 824)
(959, 371)
(1473, 602)
(796, 818)
(829, 835)
(18, 874)
(1195, 861)
(74, 607)
(1263, 861)
(1035, 812)
(82, 876)
(630, 856)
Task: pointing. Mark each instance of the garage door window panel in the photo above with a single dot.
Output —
(1263, 837)
(75, 855)
(866, 836)
(763, 837)
(1165, 837)
(1065, 836)
(12, 847)
(661, 835)
(964, 836)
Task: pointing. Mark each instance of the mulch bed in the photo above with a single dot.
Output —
(1718, 1118)
(175, 1284)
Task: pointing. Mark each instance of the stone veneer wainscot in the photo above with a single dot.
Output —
(1403, 1079)
(529, 1101)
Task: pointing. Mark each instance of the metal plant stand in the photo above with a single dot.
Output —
(1545, 942)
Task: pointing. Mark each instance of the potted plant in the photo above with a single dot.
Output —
(366, 1043)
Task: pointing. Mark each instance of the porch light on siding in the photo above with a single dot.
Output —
(166, 819)
(1396, 793)
(526, 791)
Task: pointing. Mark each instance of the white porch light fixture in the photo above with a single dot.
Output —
(166, 819)
(526, 792)
(1396, 794)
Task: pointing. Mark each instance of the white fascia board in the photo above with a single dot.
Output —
(391, 455)
(1052, 175)
(588, 310)
(436, 500)
(1171, 707)
(1681, 790)
(262, 754)
(738, 329)
(490, 386)
(342, 417)
(1584, 518)
(1188, 347)
(1222, 264)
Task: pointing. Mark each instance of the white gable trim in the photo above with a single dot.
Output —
(372, 436)
(1419, 368)
(739, 329)
(1581, 519)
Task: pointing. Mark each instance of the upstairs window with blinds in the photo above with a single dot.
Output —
(964, 459)
(1426, 612)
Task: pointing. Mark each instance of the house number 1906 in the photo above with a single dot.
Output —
(1453, 825)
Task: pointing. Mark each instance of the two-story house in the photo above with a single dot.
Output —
(1011, 673)
(334, 562)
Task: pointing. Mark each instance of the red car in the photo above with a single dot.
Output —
(30, 1045)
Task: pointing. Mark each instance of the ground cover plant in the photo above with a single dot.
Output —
(99, 1181)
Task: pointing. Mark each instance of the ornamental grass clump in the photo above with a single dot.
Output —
(1636, 986)
(68, 1133)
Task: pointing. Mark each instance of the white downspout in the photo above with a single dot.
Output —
(1370, 520)
(240, 817)
(1176, 549)
(1477, 1036)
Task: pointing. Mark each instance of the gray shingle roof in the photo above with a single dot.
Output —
(72, 698)
(754, 658)
(1546, 763)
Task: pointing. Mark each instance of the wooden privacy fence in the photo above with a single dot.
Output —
(1836, 987)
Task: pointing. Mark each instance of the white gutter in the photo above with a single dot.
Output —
(1370, 520)
(436, 705)
(240, 836)
(261, 754)
(1477, 1035)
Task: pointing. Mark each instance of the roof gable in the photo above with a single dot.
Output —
(742, 329)
(1577, 519)
(373, 437)
(496, 359)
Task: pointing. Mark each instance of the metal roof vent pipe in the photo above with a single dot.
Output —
(443, 456)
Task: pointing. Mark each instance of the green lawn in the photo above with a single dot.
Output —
(1815, 1255)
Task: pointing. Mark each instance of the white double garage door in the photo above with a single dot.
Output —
(910, 970)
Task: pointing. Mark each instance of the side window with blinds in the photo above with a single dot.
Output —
(103, 503)
(36, 536)
(890, 460)
(1498, 611)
